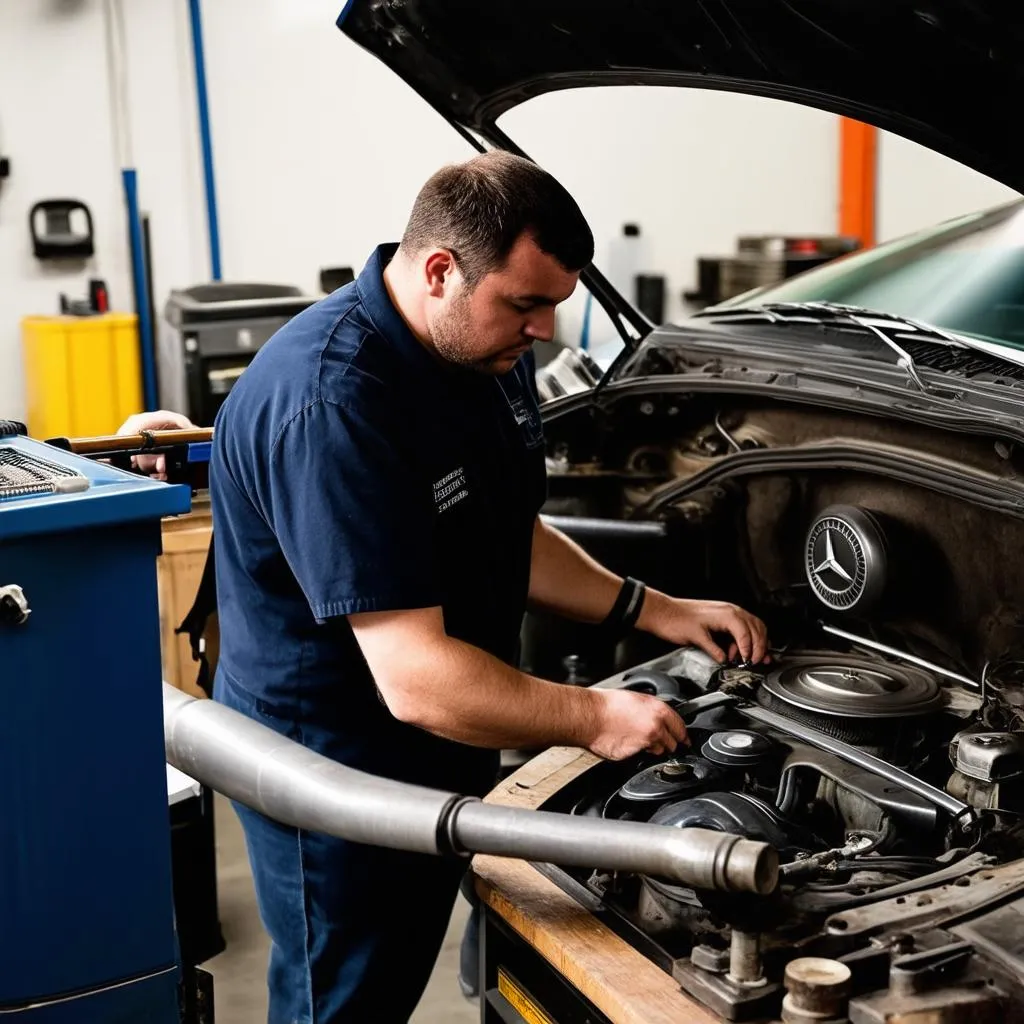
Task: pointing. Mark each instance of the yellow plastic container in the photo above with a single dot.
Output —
(82, 374)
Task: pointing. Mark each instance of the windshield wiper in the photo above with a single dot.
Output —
(903, 358)
(884, 326)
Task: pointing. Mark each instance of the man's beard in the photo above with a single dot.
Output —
(451, 336)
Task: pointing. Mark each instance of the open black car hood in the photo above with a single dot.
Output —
(945, 73)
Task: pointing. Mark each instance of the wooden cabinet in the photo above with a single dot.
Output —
(186, 540)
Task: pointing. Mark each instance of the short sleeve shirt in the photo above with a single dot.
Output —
(354, 471)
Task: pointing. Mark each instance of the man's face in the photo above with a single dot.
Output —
(488, 327)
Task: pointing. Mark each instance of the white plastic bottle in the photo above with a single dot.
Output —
(626, 259)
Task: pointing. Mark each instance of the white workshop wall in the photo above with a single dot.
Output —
(319, 148)
(917, 188)
(694, 169)
(57, 127)
(319, 151)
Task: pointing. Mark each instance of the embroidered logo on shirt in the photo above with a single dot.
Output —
(450, 489)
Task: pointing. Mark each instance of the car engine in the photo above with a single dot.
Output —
(881, 751)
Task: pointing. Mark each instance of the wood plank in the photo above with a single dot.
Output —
(195, 540)
(541, 777)
(619, 981)
(185, 541)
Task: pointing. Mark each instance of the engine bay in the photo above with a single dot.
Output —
(888, 800)
(704, 498)
(882, 750)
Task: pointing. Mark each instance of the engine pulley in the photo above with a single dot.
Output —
(670, 779)
(738, 748)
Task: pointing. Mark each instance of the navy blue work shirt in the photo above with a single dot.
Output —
(353, 471)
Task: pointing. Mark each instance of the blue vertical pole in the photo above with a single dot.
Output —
(585, 330)
(148, 349)
(204, 135)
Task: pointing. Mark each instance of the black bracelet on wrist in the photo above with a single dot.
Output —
(627, 607)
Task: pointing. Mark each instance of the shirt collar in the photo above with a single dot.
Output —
(373, 294)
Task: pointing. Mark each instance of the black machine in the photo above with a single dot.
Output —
(219, 328)
(761, 261)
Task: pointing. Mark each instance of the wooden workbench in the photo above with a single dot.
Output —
(186, 539)
(619, 981)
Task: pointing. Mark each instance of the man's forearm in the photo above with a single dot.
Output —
(477, 699)
(564, 579)
(453, 689)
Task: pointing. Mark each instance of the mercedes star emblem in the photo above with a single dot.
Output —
(830, 562)
(835, 560)
(844, 558)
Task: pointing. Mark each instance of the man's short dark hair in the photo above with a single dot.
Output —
(479, 208)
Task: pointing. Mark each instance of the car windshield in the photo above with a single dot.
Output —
(966, 275)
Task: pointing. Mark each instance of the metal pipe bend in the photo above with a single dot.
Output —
(256, 766)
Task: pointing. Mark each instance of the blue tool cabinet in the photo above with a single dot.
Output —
(86, 909)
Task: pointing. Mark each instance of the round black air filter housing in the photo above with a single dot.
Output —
(873, 704)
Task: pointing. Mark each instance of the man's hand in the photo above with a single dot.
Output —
(154, 465)
(630, 722)
(681, 621)
(565, 580)
(458, 691)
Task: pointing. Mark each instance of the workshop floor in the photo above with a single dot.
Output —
(239, 973)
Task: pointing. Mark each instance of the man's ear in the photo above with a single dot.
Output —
(439, 269)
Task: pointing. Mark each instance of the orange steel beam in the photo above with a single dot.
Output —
(858, 179)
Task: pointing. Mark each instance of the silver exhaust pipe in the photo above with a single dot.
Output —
(257, 767)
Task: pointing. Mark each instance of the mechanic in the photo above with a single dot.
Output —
(377, 474)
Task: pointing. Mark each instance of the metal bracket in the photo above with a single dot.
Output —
(942, 985)
(917, 972)
(931, 907)
(724, 997)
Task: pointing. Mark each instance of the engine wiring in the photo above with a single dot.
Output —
(729, 439)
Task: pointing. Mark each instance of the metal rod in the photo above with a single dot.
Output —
(745, 958)
(205, 138)
(729, 439)
(251, 763)
(613, 529)
(854, 755)
(893, 652)
(138, 442)
(697, 857)
(147, 350)
(147, 264)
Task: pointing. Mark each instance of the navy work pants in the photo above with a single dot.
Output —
(354, 929)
